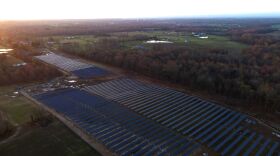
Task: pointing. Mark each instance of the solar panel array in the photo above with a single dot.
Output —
(217, 127)
(90, 72)
(119, 129)
(80, 69)
(62, 62)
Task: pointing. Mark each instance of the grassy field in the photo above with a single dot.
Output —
(54, 139)
(79, 39)
(276, 26)
(217, 42)
(17, 108)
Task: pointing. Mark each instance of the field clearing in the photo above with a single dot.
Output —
(55, 139)
(214, 41)
(18, 108)
(217, 42)
(127, 40)
(276, 26)
(82, 39)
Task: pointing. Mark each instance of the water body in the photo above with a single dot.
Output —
(157, 41)
(4, 51)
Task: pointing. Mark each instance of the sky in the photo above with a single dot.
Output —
(97, 9)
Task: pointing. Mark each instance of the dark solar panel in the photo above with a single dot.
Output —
(118, 128)
(90, 72)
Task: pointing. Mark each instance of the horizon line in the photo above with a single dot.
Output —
(141, 18)
(229, 16)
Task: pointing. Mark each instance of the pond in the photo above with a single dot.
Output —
(157, 41)
(4, 51)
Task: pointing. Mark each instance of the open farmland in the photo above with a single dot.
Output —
(132, 40)
(187, 39)
(216, 42)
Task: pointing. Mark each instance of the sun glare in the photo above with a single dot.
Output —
(84, 9)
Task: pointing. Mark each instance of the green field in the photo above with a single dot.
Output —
(276, 26)
(216, 42)
(79, 39)
(17, 108)
(55, 139)
(127, 40)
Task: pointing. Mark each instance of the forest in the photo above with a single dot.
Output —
(252, 75)
(32, 71)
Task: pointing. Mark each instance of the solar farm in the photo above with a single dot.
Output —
(120, 130)
(76, 67)
(217, 127)
(130, 117)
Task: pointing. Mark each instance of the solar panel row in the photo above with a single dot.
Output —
(204, 121)
(62, 62)
(80, 69)
(121, 130)
(90, 72)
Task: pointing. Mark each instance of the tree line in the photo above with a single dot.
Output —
(32, 71)
(252, 75)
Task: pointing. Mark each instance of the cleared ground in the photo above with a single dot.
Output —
(129, 40)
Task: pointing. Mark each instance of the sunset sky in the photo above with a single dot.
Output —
(91, 9)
